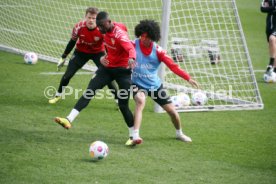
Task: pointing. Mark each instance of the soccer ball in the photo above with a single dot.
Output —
(199, 98)
(270, 78)
(98, 150)
(175, 101)
(181, 100)
(184, 99)
(30, 58)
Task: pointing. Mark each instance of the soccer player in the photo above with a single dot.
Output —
(146, 81)
(269, 7)
(89, 45)
(118, 62)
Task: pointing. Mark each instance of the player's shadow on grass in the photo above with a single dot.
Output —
(89, 160)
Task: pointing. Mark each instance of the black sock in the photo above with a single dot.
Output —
(274, 70)
(271, 61)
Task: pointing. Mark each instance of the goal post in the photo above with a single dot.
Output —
(166, 12)
(204, 37)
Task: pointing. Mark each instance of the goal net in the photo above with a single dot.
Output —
(204, 37)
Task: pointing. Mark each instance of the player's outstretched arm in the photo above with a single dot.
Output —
(71, 44)
(194, 83)
(131, 63)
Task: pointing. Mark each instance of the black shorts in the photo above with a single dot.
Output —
(270, 26)
(270, 32)
(80, 58)
(160, 95)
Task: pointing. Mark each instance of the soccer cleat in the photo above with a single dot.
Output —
(54, 100)
(184, 138)
(139, 140)
(129, 142)
(64, 122)
(269, 69)
(133, 142)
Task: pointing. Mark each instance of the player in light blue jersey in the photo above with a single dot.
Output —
(146, 81)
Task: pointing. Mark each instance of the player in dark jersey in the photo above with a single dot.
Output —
(269, 7)
(117, 66)
(89, 45)
(146, 80)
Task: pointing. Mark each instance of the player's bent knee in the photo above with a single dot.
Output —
(272, 39)
(140, 101)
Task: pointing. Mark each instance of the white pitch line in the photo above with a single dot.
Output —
(255, 71)
(12, 30)
(15, 6)
(212, 75)
(218, 75)
(61, 73)
(259, 71)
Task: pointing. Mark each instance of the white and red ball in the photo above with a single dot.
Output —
(184, 99)
(30, 58)
(98, 150)
(181, 100)
(199, 98)
(270, 77)
(176, 102)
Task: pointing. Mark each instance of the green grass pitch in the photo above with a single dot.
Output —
(228, 147)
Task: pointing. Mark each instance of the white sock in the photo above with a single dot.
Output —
(136, 134)
(58, 94)
(179, 132)
(73, 114)
(130, 130)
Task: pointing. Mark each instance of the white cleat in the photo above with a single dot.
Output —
(184, 138)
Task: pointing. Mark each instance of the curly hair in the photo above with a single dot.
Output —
(150, 27)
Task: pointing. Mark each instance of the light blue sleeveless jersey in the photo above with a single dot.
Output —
(145, 73)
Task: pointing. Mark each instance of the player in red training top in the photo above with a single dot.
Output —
(89, 45)
(146, 81)
(117, 66)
